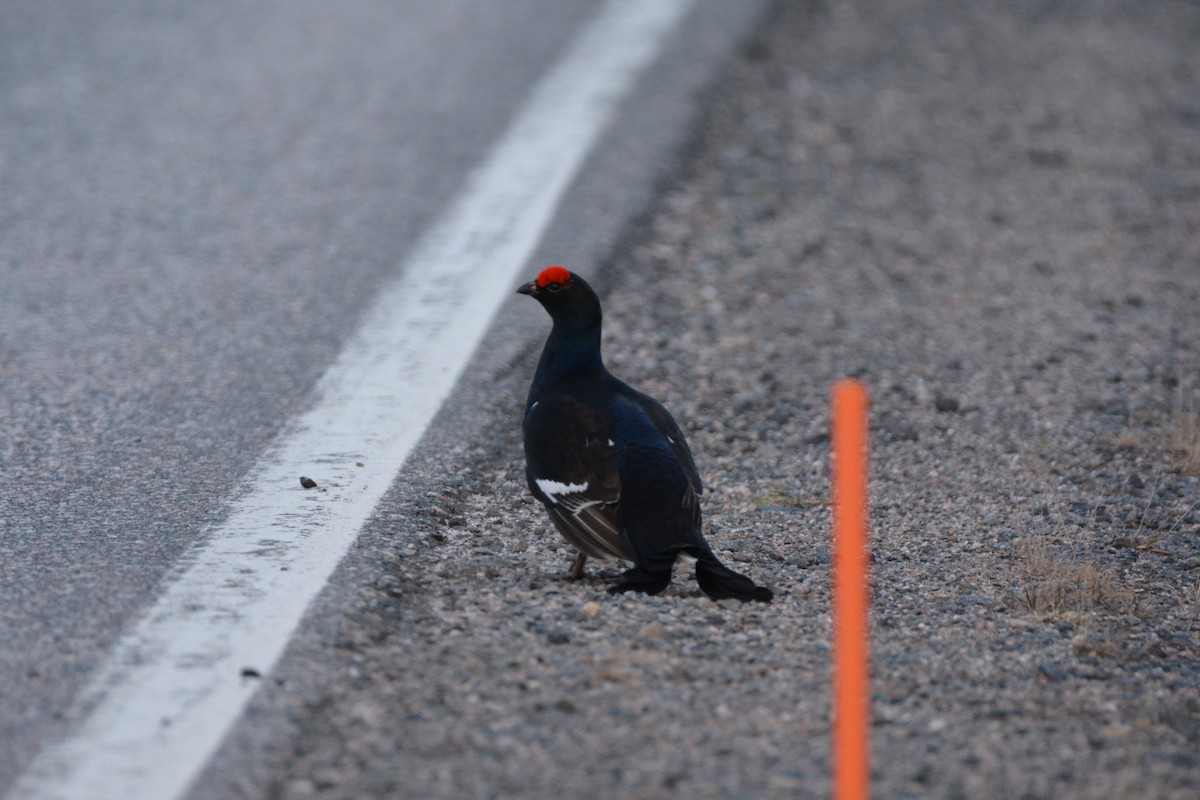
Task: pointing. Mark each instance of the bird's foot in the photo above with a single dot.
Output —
(576, 572)
(640, 580)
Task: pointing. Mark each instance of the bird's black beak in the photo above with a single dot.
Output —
(530, 289)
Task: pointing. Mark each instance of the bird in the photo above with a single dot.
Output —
(608, 462)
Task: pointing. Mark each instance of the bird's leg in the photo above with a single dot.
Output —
(576, 571)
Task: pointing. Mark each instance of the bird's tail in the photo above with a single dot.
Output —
(720, 582)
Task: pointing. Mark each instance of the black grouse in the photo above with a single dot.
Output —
(609, 463)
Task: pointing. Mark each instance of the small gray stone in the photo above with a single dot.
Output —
(945, 403)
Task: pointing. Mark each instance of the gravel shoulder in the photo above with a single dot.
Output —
(991, 214)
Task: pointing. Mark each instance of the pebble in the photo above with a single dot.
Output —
(946, 403)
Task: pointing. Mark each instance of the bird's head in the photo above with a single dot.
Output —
(566, 296)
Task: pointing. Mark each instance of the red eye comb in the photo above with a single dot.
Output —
(551, 275)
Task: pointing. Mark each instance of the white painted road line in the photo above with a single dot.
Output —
(163, 701)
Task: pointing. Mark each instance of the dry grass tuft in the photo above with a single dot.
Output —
(1052, 580)
(777, 498)
(1185, 433)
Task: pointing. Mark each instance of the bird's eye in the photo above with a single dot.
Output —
(553, 287)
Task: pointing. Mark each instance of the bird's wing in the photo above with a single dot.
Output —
(670, 429)
(571, 466)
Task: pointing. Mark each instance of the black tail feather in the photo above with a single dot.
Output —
(719, 582)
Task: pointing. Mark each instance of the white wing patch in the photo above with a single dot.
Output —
(554, 488)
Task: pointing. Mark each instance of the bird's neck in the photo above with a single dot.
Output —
(569, 352)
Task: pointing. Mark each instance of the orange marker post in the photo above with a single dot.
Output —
(852, 698)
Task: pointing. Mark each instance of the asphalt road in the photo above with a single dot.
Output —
(198, 202)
